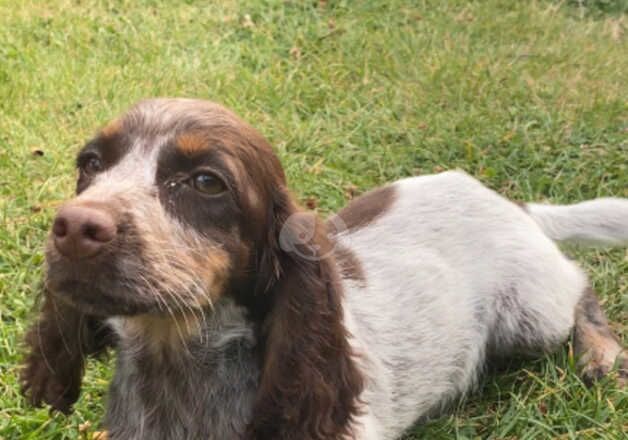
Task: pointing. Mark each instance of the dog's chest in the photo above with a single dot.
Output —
(203, 391)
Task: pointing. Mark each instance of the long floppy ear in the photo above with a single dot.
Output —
(310, 384)
(58, 343)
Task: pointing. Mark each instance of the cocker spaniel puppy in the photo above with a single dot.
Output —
(237, 315)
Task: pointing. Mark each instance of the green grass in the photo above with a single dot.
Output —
(530, 97)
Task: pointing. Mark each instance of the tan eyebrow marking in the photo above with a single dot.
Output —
(189, 143)
(112, 128)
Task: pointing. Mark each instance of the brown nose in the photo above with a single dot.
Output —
(82, 231)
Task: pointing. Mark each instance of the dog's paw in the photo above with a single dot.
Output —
(40, 385)
(601, 361)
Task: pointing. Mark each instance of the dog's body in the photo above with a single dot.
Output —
(456, 276)
(356, 335)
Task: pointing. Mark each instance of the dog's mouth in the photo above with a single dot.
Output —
(93, 300)
(109, 284)
(117, 284)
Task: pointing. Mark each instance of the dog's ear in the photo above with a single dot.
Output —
(310, 383)
(58, 343)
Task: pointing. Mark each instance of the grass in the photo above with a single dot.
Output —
(530, 97)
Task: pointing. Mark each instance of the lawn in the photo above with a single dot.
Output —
(528, 96)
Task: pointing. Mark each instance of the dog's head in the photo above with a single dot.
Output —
(179, 202)
(172, 209)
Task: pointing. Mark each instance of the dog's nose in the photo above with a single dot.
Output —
(82, 231)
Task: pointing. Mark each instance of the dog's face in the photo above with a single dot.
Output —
(178, 203)
(171, 208)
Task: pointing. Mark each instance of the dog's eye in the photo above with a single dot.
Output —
(92, 165)
(208, 184)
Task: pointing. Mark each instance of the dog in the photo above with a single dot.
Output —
(235, 314)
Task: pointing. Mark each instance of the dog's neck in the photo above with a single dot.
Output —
(183, 377)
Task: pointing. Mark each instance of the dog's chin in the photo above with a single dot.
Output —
(94, 300)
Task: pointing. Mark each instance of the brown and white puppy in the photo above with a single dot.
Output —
(235, 314)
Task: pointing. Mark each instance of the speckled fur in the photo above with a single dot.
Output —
(202, 392)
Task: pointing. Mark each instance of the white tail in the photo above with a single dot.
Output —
(601, 221)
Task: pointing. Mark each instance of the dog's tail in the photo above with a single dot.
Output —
(601, 221)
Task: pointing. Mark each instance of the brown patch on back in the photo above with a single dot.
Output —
(598, 350)
(112, 129)
(363, 210)
(190, 143)
(349, 264)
